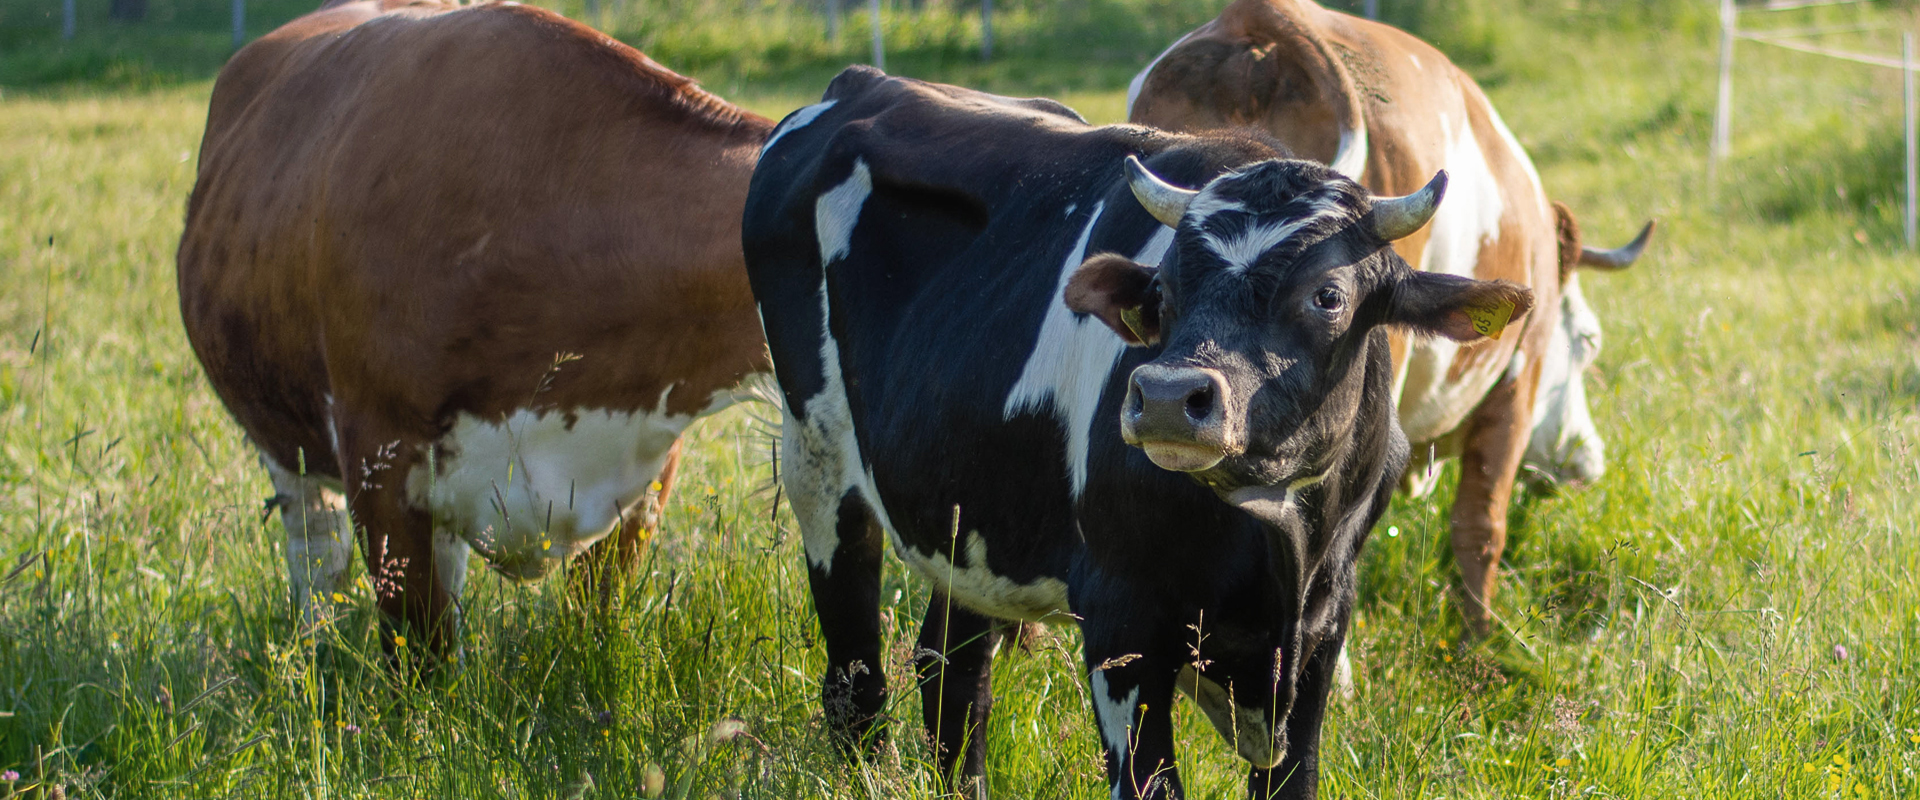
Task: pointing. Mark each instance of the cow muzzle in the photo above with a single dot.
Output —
(1582, 463)
(1179, 416)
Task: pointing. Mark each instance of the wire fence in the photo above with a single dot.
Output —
(833, 13)
(1809, 40)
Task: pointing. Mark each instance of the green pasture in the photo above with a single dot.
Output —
(1731, 613)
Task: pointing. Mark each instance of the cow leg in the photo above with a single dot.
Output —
(955, 661)
(318, 543)
(450, 555)
(1496, 440)
(657, 510)
(1297, 776)
(397, 541)
(617, 557)
(846, 596)
(1131, 678)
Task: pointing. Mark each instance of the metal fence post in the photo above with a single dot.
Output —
(1913, 153)
(879, 51)
(986, 29)
(239, 23)
(1372, 9)
(833, 20)
(1723, 107)
(68, 19)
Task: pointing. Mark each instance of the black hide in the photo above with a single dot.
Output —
(956, 257)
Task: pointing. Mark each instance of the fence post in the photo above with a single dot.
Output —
(1372, 9)
(879, 52)
(1723, 107)
(1913, 153)
(239, 23)
(68, 21)
(986, 29)
(833, 20)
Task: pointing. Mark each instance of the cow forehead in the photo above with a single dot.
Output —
(1268, 186)
(1273, 205)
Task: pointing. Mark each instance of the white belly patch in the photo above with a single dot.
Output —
(977, 587)
(536, 488)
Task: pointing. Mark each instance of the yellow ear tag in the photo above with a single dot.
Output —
(1489, 321)
(1135, 322)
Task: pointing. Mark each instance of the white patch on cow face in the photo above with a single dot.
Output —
(1115, 715)
(1206, 204)
(1072, 360)
(1240, 251)
(978, 588)
(319, 538)
(824, 462)
(1565, 444)
(796, 121)
(1469, 220)
(1351, 159)
(1245, 727)
(536, 488)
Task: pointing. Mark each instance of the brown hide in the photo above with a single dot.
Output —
(1305, 75)
(408, 211)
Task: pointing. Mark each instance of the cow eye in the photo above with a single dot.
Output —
(1329, 299)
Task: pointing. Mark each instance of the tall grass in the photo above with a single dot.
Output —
(1731, 613)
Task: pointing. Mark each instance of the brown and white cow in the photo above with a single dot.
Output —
(1388, 110)
(464, 275)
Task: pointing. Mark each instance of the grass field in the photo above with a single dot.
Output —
(1732, 613)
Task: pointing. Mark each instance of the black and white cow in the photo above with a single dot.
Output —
(981, 361)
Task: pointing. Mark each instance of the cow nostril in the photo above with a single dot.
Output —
(1200, 403)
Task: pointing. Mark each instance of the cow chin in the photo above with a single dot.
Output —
(1179, 457)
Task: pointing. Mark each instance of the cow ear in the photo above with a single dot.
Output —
(1461, 309)
(1121, 293)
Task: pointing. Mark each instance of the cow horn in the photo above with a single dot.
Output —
(1618, 258)
(1165, 201)
(1398, 217)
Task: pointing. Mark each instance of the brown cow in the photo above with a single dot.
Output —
(1388, 110)
(474, 268)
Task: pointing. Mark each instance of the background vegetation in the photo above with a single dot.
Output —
(1732, 612)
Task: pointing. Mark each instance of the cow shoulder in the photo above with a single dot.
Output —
(896, 137)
